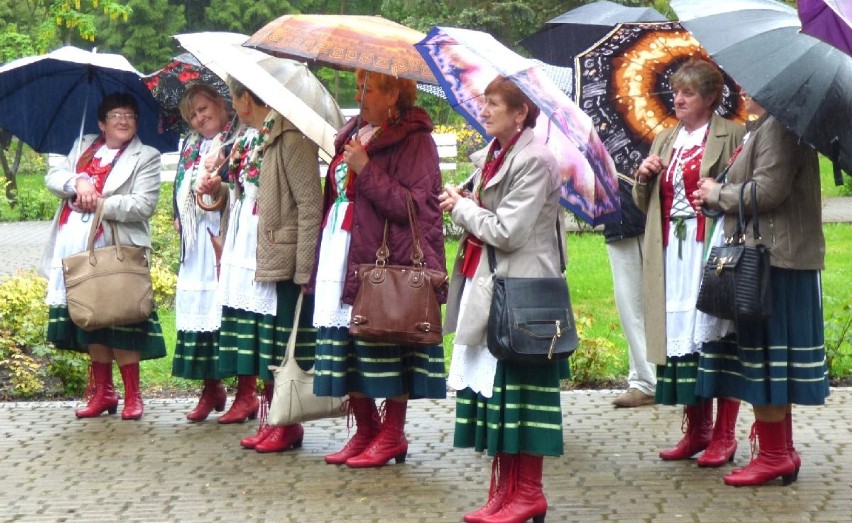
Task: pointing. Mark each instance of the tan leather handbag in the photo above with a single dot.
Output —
(109, 286)
(398, 303)
(293, 400)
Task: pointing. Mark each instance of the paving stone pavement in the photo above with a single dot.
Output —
(54, 468)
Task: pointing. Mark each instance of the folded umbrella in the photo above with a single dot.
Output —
(803, 82)
(49, 101)
(465, 61)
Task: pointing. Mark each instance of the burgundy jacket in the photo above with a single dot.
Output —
(403, 160)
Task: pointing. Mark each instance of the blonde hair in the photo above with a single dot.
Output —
(187, 100)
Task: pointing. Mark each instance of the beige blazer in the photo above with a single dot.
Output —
(724, 136)
(519, 218)
(130, 193)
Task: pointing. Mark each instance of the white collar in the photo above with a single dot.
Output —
(105, 154)
(687, 140)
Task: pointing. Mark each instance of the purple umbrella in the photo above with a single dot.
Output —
(828, 20)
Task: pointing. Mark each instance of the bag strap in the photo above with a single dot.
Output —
(290, 353)
(742, 220)
(416, 252)
(93, 231)
(492, 256)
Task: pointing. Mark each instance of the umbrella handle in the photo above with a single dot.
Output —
(710, 213)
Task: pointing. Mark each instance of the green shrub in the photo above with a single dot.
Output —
(36, 203)
(838, 340)
(596, 359)
(29, 361)
(165, 250)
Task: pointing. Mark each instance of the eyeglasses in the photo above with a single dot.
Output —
(122, 116)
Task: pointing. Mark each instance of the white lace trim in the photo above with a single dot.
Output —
(471, 367)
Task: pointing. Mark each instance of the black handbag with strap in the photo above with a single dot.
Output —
(531, 319)
(735, 281)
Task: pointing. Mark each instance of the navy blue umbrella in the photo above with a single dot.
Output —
(48, 101)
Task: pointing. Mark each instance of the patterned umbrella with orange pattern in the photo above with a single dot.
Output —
(346, 42)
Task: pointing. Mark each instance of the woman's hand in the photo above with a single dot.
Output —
(87, 197)
(355, 155)
(700, 195)
(209, 184)
(650, 167)
(449, 198)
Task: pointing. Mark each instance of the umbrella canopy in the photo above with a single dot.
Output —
(465, 61)
(803, 82)
(48, 101)
(347, 42)
(303, 100)
(828, 20)
(169, 83)
(623, 85)
(574, 31)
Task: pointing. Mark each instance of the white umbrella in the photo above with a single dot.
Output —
(287, 86)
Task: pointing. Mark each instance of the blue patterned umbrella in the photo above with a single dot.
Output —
(465, 61)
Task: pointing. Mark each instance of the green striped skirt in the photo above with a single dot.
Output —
(523, 414)
(196, 355)
(377, 370)
(144, 337)
(779, 361)
(250, 342)
(676, 380)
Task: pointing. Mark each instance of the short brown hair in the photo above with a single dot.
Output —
(187, 100)
(385, 83)
(702, 76)
(514, 98)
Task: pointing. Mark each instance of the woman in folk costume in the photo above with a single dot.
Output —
(509, 409)
(698, 147)
(197, 315)
(377, 167)
(267, 259)
(780, 361)
(116, 171)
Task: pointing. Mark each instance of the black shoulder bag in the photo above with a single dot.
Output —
(531, 319)
(735, 281)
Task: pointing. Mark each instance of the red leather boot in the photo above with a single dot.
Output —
(390, 442)
(264, 430)
(526, 500)
(699, 428)
(213, 397)
(503, 473)
(104, 398)
(367, 426)
(773, 459)
(245, 404)
(133, 405)
(794, 456)
(282, 438)
(723, 444)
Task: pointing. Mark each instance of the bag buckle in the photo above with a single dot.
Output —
(720, 264)
(553, 341)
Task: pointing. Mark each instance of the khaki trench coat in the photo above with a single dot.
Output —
(723, 138)
(519, 218)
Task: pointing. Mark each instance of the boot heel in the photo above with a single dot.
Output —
(297, 444)
(113, 410)
(539, 518)
(253, 415)
(400, 458)
(788, 479)
(796, 474)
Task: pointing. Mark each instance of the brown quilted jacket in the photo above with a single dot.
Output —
(289, 206)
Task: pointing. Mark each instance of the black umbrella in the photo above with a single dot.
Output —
(572, 32)
(169, 83)
(803, 82)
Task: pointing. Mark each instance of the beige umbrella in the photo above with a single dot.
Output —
(303, 100)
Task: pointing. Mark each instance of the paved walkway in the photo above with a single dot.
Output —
(54, 468)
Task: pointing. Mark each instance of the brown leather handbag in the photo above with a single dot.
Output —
(398, 303)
